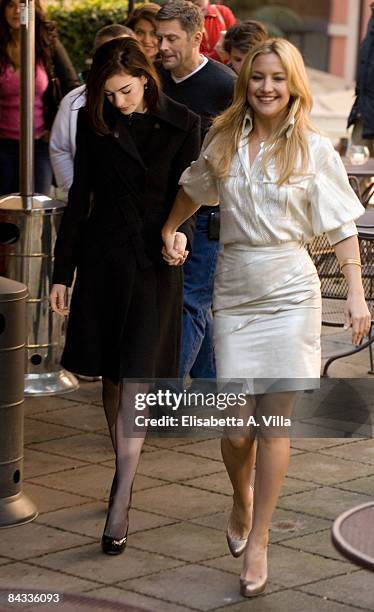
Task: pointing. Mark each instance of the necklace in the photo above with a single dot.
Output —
(260, 139)
(257, 141)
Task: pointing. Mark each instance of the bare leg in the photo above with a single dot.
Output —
(128, 448)
(239, 453)
(271, 468)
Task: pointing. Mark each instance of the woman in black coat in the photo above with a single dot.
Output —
(133, 143)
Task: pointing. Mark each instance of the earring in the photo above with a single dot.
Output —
(146, 86)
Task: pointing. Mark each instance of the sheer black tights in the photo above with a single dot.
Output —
(119, 406)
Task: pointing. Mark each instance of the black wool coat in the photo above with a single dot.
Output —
(126, 308)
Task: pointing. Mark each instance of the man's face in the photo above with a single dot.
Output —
(176, 45)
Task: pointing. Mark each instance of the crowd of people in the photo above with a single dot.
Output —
(185, 109)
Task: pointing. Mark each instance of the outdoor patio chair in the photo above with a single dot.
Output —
(334, 290)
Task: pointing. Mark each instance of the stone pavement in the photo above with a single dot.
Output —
(177, 558)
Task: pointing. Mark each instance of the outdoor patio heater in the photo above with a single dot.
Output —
(15, 507)
(28, 228)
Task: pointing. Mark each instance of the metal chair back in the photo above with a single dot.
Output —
(334, 288)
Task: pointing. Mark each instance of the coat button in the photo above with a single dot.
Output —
(157, 126)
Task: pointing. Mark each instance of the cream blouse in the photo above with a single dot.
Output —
(255, 210)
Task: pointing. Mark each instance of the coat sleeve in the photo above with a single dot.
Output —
(186, 154)
(77, 209)
(64, 69)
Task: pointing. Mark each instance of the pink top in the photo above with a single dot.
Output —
(10, 102)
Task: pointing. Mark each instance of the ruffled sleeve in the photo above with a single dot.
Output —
(199, 181)
(334, 204)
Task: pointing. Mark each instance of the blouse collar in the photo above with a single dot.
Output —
(248, 124)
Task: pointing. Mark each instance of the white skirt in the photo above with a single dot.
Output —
(267, 316)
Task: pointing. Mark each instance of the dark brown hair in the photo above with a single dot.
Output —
(114, 57)
(190, 16)
(113, 30)
(148, 12)
(243, 36)
(45, 37)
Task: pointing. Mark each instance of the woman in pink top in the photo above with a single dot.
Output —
(52, 62)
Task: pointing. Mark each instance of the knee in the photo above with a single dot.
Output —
(239, 442)
(274, 441)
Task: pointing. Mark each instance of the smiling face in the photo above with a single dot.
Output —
(145, 33)
(268, 92)
(126, 92)
(12, 14)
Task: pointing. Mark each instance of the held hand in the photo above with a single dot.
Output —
(57, 300)
(174, 250)
(357, 316)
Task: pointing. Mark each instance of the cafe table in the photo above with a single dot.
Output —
(359, 170)
(353, 535)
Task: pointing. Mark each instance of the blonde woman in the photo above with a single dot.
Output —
(279, 183)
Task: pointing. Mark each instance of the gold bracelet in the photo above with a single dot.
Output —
(345, 262)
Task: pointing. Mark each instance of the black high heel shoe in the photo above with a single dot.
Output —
(111, 546)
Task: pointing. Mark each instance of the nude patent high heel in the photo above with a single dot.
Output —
(237, 545)
(250, 588)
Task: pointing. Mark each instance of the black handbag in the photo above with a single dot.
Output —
(52, 96)
(214, 225)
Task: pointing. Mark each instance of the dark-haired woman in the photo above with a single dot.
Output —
(125, 316)
(142, 21)
(52, 62)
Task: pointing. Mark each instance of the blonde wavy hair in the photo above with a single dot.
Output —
(287, 150)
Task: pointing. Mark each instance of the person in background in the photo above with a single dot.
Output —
(133, 143)
(206, 87)
(362, 112)
(241, 38)
(218, 18)
(52, 66)
(142, 22)
(279, 183)
(62, 144)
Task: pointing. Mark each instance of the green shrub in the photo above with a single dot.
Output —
(79, 22)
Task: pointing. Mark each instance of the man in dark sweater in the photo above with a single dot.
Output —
(207, 88)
